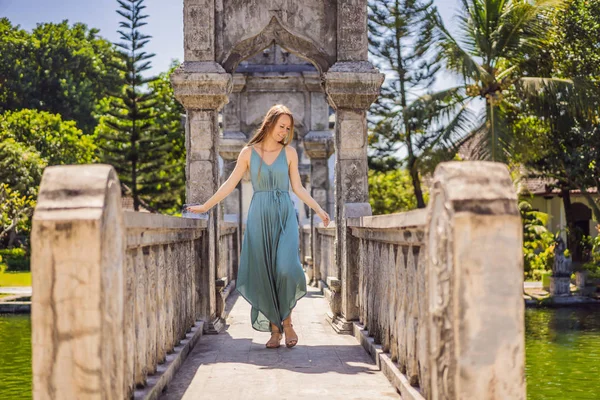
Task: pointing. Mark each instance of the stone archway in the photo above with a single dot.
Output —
(333, 35)
(274, 75)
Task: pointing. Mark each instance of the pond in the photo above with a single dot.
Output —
(15, 357)
(563, 353)
(562, 359)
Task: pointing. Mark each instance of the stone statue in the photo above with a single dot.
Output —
(561, 270)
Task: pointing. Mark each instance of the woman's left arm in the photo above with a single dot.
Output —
(299, 190)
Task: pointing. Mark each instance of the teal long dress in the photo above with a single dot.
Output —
(270, 276)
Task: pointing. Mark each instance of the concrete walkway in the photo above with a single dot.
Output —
(236, 365)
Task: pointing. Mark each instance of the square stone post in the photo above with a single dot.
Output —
(203, 88)
(319, 147)
(78, 266)
(351, 87)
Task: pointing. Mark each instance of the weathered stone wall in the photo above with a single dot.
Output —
(324, 257)
(391, 287)
(229, 259)
(113, 291)
(163, 256)
(305, 252)
(77, 263)
(276, 76)
(307, 28)
(440, 290)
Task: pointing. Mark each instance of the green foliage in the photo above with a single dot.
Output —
(13, 260)
(593, 265)
(168, 116)
(29, 141)
(391, 192)
(495, 41)
(575, 39)
(538, 242)
(129, 137)
(57, 141)
(400, 39)
(15, 209)
(569, 148)
(58, 68)
(21, 167)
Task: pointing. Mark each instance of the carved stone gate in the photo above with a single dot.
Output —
(332, 35)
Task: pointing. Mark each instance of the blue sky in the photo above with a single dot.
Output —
(165, 22)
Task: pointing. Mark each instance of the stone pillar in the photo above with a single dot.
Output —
(319, 147)
(474, 284)
(232, 142)
(203, 88)
(351, 87)
(77, 264)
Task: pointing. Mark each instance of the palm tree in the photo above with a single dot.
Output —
(496, 39)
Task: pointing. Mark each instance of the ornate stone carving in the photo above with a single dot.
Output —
(276, 32)
(201, 85)
(354, 181)
(352, 30)
(560, 281)
(199, 30)
(319, 144)
(353, 85)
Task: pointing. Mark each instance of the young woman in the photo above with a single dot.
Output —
(270, 276)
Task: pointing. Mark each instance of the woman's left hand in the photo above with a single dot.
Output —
(199, 209)
(324, 217)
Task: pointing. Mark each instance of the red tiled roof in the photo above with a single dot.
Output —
(545, 186)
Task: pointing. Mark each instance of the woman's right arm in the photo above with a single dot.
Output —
(227, 187)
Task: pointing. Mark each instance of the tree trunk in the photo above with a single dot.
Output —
(416, 181)
(12, 235)
(593, 205)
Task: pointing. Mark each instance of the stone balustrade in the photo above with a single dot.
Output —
(305, 251)
(228, 250)
(436, 295)
(324, 264)
(161, 297)
(115, 294)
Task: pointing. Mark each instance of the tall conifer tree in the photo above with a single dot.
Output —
(129, 138)
(400, 34)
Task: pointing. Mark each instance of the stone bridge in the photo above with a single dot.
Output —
(419, 305)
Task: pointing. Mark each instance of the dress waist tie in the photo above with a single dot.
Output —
(277, 196)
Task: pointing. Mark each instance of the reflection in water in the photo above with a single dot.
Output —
(563, 353)
(15, 357)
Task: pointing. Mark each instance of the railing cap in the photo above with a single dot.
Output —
(474, 181)
(414, 218)
(76, 191)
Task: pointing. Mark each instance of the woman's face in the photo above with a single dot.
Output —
(282, 128)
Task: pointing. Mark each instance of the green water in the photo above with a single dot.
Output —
(15, 357)
(562, 355)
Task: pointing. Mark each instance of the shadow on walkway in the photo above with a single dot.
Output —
(236, 364)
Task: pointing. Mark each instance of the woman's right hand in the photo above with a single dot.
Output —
(324, 217)
(198, 209)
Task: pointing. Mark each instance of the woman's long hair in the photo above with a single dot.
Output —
(268, 124)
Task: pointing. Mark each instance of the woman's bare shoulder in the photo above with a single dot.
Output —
(245, 152)
(291, 151)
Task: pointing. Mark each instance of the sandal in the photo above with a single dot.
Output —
(292, 341)
(274, 341)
